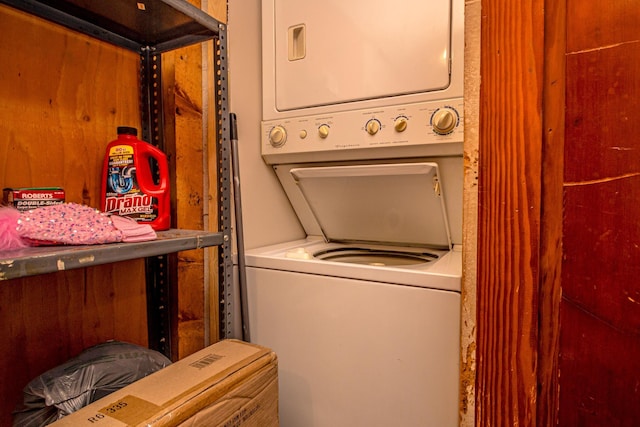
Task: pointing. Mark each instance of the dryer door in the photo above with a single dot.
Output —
(397, 204)
(336, 51)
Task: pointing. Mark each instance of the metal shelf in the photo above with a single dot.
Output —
(161, 25)
(147, 27)
(48, 259)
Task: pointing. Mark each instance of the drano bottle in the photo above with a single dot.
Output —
(130, 185)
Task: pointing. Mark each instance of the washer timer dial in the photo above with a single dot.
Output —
(444, 120)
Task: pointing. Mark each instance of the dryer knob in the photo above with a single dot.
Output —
(323, 131)
(444, 121)
(277, 136)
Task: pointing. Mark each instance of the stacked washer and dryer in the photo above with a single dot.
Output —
(363, 126)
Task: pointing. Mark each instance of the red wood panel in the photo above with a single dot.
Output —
(603, 103)
(597, 23)
(601, 247)
(601, 291)
(599, 373)
(600, 333)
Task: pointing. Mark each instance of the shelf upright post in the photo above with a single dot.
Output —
(159, 272)
(225, 281)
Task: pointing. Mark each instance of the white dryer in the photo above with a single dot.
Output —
(364, 319)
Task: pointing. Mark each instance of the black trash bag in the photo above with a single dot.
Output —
(93, 374)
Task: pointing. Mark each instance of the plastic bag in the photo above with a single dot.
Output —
(91, 375)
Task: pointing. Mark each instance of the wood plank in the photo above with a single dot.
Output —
(550, 290)
(601, 246)
(193, 119)
(601, 295)
(472, 85)
(510, 177)
(47, 319)
(602, 103)
(216, 8)
(63, 95)
(599, 382)
(184, 142)
(190, 187)
(55, 119)
(598, 23)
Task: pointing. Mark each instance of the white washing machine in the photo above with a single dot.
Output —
(362, 123)
(365, 319)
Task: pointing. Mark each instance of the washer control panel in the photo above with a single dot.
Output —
(312, 138)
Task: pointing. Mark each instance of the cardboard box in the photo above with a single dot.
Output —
(230, 384)
(28, 198)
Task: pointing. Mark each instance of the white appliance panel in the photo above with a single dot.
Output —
(396, 203)
(345, 56)
(338, 51)
(451, 179)
(350, 83)
(402, 131)
(356, 353)
(266, 215)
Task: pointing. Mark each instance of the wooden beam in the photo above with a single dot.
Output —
(550, 292)
(509, 206)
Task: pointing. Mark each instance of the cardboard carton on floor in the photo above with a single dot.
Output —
(230, 384)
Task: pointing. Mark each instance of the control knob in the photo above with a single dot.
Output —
(277, 136)
(444, 120)
(372, 126)
(400, 125)
(323, 131)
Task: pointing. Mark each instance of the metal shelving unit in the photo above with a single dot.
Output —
(148, 27)
(48, 259)
(158, 25)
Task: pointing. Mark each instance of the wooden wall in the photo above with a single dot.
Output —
(62, 97)
(182, 85)
(557, 288)
(600, 311)
(190, 117)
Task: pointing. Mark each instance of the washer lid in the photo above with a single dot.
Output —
(399, 204)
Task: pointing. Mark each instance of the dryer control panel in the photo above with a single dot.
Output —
(420, 129)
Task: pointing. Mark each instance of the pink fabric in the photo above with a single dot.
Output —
(67, 224)
(132, 231)
(9, 237)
